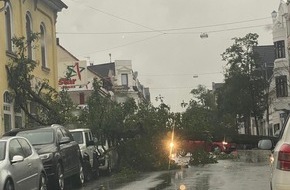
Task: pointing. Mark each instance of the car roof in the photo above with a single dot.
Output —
(80, 129)
(15, 131)
(6, 138)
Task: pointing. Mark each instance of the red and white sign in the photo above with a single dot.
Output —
(72, 75)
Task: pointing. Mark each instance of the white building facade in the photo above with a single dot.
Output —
(279, 94)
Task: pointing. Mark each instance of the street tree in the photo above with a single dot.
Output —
(243, 94)
(200, 113)
(41, 103)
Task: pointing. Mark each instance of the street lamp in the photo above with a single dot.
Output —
(203, 35)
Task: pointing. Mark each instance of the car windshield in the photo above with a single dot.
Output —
(2, 150)
(78, 137)
(38, 137)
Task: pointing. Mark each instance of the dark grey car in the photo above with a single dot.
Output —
(59, 153)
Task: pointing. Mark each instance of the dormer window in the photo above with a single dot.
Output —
(124, 79)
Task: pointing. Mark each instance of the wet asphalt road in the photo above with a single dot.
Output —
(225, 175)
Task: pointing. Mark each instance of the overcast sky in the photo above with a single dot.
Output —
(162, 38)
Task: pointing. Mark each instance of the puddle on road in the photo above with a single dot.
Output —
(166, 178)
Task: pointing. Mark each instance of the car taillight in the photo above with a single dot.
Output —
(284, 158)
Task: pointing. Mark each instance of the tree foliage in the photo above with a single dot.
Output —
(41, 103)
(243, 93)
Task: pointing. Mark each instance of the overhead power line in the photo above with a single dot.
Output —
(175, 74)
(165, 31)
(120, 18)
(126, 44)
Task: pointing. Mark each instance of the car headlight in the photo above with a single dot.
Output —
(45, 157)
(224, 143)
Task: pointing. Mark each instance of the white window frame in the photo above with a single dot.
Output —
(124, 79)
(28, 18)
(43, 46)
(8, 31)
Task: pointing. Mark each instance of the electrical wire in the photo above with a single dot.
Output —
(167, 31)
(126, 44)
(195, 74)
(120, 18)
(163, 31)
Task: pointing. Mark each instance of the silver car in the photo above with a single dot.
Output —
(20, 165)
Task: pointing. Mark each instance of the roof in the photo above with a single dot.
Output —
(57, 5)
(266, 54)
(57, 43)
(102, 69)
(216, 86)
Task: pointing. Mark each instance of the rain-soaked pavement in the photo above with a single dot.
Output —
(225, 175)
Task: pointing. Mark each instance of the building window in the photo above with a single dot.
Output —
(18, 116)
(281, 86)
(28, 35)
(279, 49)
(8, 27)
(43, 46)
(124, 79)
(82, 98)
(8, 108)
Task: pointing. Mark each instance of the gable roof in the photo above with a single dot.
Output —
(57, 43)
(102, 69)
(266, 54)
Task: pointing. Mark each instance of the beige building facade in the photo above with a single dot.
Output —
(20, 18)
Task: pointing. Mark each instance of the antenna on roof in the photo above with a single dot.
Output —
(110, 57)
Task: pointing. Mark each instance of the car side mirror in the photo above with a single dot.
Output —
(265, 144)
(90, 143)
(64, 140)
(95, 140)
(17, 158)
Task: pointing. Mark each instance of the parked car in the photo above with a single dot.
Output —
(223, 146)
(84, 138)
(279, 159)
(108, 157)
(189, 146)
(60, 154)
(20, 166)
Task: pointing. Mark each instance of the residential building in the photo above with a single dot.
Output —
(279, 100)
(75, 77)
(125, 83)
(20, 19)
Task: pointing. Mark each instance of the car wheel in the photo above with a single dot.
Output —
(59, 178)
(80, 177)
(87, 171)
(9, 185)
(42, 182)
(109, 169)
(95, 169)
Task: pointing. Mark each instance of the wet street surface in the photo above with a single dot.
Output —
(225, 175)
